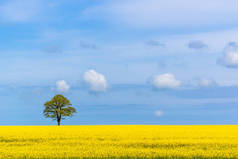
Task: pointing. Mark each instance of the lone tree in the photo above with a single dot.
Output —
(58, 108)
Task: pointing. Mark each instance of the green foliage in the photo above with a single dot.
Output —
(58, 108)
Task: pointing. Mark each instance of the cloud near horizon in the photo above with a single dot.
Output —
(207, 82)
(159, 113)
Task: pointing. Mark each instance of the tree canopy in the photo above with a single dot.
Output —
(58, 108)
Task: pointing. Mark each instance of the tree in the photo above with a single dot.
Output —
(58, 108)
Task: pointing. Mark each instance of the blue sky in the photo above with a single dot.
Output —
(121, 61)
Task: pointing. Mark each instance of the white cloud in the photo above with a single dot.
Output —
(62, 86)
(96, 81)
(165, 81)
(159, 113)
(230, 56)
(169, 13)
(206, 82)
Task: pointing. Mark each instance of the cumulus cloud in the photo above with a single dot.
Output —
(96, 81)
(62, 86)
(197, 45)
(165, 81)
(159, 113)
(230, 56)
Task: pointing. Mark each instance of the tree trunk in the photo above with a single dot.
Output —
(58, 120)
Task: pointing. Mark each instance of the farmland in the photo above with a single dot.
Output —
(125, 141)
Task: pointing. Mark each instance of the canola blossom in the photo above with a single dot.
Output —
(124, 141)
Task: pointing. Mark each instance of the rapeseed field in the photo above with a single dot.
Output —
(125, 141)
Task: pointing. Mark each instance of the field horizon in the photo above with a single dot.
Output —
(124, 125)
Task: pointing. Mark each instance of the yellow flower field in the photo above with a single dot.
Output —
(132, 141)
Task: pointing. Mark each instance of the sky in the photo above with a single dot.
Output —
(172, 62)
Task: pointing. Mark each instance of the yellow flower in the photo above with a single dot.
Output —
(118, 142)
